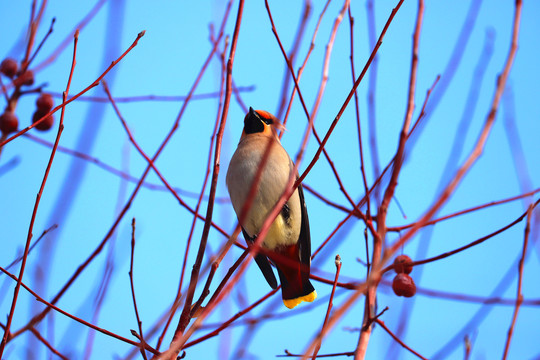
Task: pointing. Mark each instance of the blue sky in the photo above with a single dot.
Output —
(83, 199)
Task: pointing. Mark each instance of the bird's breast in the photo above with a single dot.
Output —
(242, 171)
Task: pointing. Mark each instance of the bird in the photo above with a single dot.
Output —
(288, 243)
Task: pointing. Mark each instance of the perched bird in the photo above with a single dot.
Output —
(287, 242)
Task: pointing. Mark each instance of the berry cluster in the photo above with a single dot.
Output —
(403, 284)
(8, 120)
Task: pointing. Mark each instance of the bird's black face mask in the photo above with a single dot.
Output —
(254, 123)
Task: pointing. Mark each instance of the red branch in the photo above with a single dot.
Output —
(81, 268)
(330, 304)
(132, 285)
(519, 296)
(480, 143)
(179, 338)
(50, 305)
(65, 102)
(380, 322)
(353, 298)
(6, 336)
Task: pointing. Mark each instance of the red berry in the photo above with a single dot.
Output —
(45, 124)
(8, 122)
(403, 264)
(45, 103)
(403, 285)
(26, 78)
(9, 67)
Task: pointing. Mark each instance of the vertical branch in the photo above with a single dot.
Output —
(185, 317)
(361, 289)
(292, 55)
(32, 29)
(398, 158)
(454, 61)
(350, 95)
(311, 117)
(516, 148)
(289, 63)
(132, 285)
(330, 305)
(327, 55)
(482, 138)
(371, 98)
(389, 193)
(357, 110)
(7, 334)
(176, 302)
(452, 163)
(519, 297)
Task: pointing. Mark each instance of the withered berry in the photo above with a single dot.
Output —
(9, 67)
(45, 124)
(45, 102)
(8, 122)
(403, 285)
(403, 264)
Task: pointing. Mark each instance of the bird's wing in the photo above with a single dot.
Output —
(304, 239)
(263, 263)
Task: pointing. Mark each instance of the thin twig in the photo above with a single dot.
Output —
(330, 304)
(37, 318)
(465, 247)
(371, 95)
(179, 338)
(480, 143)
(357, 112)
(382, 324)
(301, 69)
(311, 117)
(50, 305)
(66, 102)
(41, 237)
(365, 333)
(469, 210)
(47, 344)
(5, 338)
(42, 42)
(132, 285)
(327, 56)
(65, 43)
(361, 288)
(519, 296)
(216, 263)
(232, 319)
(292, 55)
(157, 98)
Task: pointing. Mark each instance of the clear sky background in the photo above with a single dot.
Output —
(84, 199)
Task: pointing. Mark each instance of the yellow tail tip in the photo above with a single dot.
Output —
(291, 303)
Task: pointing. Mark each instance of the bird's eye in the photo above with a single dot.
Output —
(265, 117)
(267, 121)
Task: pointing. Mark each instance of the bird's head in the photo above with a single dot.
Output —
(260, 122)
